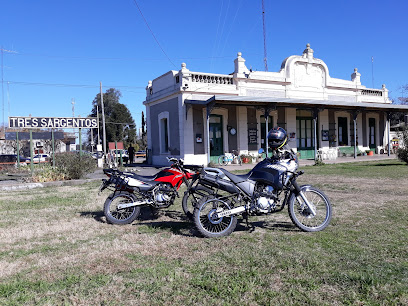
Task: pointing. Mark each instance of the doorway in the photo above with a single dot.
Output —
(371, 127)
(216, 136)
(342, 132)
(305, 137)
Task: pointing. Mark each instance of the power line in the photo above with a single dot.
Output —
(154, 36)
(113, 58)
(71, 85)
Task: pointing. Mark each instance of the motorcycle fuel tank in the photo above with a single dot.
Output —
(272, 174)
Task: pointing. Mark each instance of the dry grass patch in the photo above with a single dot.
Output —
(56, 248)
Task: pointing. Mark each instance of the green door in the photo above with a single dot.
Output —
(305, 137)
(216, 137)
(371, 126)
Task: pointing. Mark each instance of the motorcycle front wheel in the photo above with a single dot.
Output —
(192, 198)
(120, 216)
(302, 217)
(206, 221)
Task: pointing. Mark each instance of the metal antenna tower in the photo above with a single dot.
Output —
(264, 36)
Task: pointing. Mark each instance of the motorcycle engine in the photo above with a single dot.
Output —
(163, 195)
(266, 199)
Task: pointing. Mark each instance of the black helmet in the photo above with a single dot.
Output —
(277, 138)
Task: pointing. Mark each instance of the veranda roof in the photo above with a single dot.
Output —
(302, 103)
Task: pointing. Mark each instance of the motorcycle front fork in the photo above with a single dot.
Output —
(300, 196)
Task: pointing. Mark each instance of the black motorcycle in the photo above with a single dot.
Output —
(267, 188)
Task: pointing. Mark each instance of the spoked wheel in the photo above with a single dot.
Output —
(207, 221)
(120, 216)
(192, 198)
(223, 160)
(301, 214)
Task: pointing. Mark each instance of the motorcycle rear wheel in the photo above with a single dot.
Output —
(122, 216)
(302, 217)
(207, 224)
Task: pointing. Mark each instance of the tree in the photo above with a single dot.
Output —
(402, 152)
(403, 100)
(119, 123)
(143, 125)
(398, 117)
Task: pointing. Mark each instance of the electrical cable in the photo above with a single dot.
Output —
(154, 36)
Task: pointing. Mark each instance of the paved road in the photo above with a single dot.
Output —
(13, 183)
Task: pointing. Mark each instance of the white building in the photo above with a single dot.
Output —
(190, 114)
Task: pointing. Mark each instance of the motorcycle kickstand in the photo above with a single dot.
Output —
(250, 228)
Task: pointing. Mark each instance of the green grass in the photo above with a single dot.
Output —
(63, 252)
(391, 169)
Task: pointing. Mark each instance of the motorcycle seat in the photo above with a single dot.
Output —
(236, 178)
(144, 178)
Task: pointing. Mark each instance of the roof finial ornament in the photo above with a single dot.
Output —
(308, 52)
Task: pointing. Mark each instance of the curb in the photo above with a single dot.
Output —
(23, 186)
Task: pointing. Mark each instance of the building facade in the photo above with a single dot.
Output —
(199, 116)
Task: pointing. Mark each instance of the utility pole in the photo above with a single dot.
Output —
(2, 87)
(103, 122)
(2, 83)
(73, 115)
(372, 70)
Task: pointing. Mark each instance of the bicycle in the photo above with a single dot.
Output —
(228, 158)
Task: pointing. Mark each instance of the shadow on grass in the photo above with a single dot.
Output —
(267, 225)
(97, 215)
(386, 165)
(177, 222)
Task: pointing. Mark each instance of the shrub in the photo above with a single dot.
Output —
(47, 173)
(73, 165)
(402, 152)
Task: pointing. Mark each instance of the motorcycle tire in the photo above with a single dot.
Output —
(211, 227)
(123, 216)
(302, 217)
(192, 198)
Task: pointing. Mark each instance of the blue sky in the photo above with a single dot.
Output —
(61, 50)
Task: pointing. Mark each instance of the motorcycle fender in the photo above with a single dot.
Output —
(294, 192)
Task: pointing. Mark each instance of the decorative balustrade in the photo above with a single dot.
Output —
(372, 92)
(212, 79)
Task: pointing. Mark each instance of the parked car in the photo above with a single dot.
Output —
(11, 159)
(39, 158)
(97, 155)
(117, 152)
(140, 154)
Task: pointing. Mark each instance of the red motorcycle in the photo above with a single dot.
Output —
(131, 191)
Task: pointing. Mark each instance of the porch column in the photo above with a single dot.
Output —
(266, 132)
(209, 108)
(389, 131)
(315, 115)
(208, 135)
(355, 134)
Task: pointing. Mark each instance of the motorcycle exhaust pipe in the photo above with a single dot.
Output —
(230, 212)
(131, 204)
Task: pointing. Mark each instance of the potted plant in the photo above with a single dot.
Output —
(246, 159)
